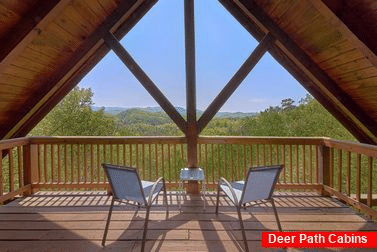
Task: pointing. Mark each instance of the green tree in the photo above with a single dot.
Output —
(74, 116)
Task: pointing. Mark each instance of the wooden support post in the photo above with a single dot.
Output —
(324, 167)
(192, 132)
(30, 166)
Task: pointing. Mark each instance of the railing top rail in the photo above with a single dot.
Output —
(360, 148)
(108, 140)
(10, 143)
(260, 140)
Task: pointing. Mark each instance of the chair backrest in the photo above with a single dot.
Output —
(125, 183)
(260, 183)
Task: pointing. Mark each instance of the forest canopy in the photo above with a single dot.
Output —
(75, 116)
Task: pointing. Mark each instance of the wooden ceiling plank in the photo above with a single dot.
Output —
(326, 81)
(72, 71)
(236, 80)
(145, 81)
(28, 29)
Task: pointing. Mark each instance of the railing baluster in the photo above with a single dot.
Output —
(156, 168)
(52, 155)
(1, 174)
(85, 170)
(332, 167)
(311, 164)
(169, 163)
(317, 165)
(98, 164)
(124, 154)
(245, 160)
(111, 153)
(297, 165)
(213, 164)
(91, 163)
(20, 167)
(283, 161)
(11, 170)
(45, 163)
(340, 164)
(118, 154)
(303, 149)
(358, 176)
(137, 156)
(348, 173)
(72, 164)
(370, 182)
(150, 161)
(59, 166)
(162, 160)
(290, 164)
(65, 164)
(270, 150)
(79, 180)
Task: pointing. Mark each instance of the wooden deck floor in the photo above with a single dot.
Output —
(74, 221)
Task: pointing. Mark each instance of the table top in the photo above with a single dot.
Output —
(196, 174)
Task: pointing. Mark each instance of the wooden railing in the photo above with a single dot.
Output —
(14, 168)
(349, 170)
(343, 169)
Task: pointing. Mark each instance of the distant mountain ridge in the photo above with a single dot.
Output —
(182, 111)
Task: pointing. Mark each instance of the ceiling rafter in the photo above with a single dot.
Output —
(28, 29)
(123, 19)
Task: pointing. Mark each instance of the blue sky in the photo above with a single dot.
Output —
(222, 45)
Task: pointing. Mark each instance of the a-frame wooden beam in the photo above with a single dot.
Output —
(192, 132)
(28, 29)
(145, 81)
(329, 84)
(281, 57)
(236, 80)
(83, 60)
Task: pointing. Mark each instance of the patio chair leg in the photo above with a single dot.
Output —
(145, 229)
(166, 200)
(276, 214)
(217, 199)
(242, 228)
(108, 222)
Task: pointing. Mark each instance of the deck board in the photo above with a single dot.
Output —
(74, 221)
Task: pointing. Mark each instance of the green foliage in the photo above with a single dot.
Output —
(308, 119)
(73, 116)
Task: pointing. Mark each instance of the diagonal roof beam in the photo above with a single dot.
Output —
(28, 29)
(236, 80)
(329, 84)
(145, 81)
(258, 32)
(82, 61)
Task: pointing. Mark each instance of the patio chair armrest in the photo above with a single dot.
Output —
(226, 182)
(159, 180)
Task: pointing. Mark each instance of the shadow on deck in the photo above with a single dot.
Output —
(74, 221)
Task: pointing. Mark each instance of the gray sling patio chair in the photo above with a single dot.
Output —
(127, 188)
(258, 187)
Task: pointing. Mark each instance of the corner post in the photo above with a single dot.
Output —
(30, 165)
(192, 131)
